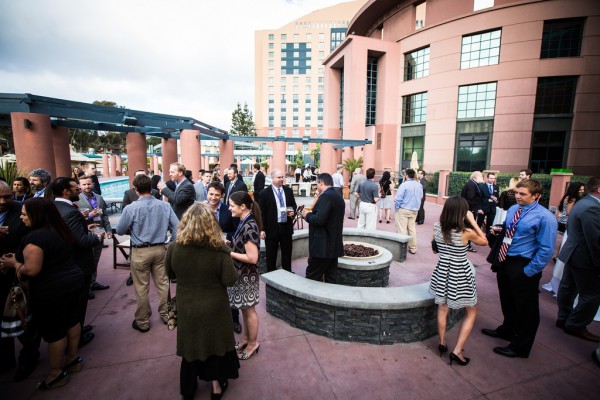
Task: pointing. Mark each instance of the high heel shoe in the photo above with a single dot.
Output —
(454, 357)
(442, 348)
(239, 346)
(245, 356)
(59, 381)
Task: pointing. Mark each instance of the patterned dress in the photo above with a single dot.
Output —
(453, 280)
(244, 293)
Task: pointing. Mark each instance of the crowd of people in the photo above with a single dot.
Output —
(53, 230)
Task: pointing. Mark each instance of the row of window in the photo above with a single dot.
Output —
(560, 38)
(296, 133)
(296, 88)
(296, 98)
(296, 36)
(295, 79)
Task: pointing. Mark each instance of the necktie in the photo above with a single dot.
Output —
(509, 234)
(205, 192)
(282, 217)
(491, 189)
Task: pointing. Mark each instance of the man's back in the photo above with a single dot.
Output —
(582, 246)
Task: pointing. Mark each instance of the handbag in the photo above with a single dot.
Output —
(434, 247)
(171, 310)
(15, 317)
(381, 191)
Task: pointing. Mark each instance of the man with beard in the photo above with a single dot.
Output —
(39, 179)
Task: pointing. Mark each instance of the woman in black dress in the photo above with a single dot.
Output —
(46, 258)
(245, 250)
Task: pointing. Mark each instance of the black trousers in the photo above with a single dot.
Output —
(586, 283)
(489, 219)
(83, 299)
(519, 299)
(283, 240)
(320, 269)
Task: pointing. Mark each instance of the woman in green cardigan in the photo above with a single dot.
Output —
(200, 261)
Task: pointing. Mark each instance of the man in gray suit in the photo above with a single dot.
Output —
(201, 187)
(184, 194)
(96, 207)
(581, 255)
(357, 179)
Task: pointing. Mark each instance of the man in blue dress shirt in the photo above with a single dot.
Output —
(407, 204)
(527, 248)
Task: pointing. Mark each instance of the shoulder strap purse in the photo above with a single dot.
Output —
(171, 310)
(15, 317)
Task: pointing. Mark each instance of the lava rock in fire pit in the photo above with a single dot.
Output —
(358, 250)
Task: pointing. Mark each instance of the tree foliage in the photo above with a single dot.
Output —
(299, 159)
(350, 164)
(316, 155)
(241, 121)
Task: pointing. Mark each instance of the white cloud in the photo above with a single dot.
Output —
(192, 58)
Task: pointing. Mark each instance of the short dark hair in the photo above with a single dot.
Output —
(593, 184)
(217, 186)
(234, 168)
(325, 178)
(422, 172)
(410, 173)
(370, 173)
(257, 166)
(233, 165)
(491, 173)
(527, 171)
(532, 185)
(61, 184)
(143, 184)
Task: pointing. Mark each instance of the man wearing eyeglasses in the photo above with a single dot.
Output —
(277, 206)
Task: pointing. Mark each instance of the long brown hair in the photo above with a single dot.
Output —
(453, 216)
(43, 213)
(199, 227)
(244, 198)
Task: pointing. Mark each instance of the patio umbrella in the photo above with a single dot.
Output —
(414, 161)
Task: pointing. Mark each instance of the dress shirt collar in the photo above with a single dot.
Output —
(69, 202)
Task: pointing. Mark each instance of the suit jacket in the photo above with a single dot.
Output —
(84, 240)
(227, 223)
(582, 248)
(16, 229)
(357, 180)
(239, 185)
(259, 182)
(199, 189)
(84, 203)
(270, 213)
(487, 204)
(129, 196)
(180, 199)
(472, 193)
(326, 223)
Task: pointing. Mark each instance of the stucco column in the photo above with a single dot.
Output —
(169, 154)
(112, 166)
(105, 169)
(62, 151)
(190, 150)
(136, 153)
(225, 155)
(278, 155)
(328, 160)
(119, 165)
(34, 146)
(560, 180)
(443, 185)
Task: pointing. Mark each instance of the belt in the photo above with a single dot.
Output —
(141, 246)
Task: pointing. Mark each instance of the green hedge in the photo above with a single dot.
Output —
(432, 183)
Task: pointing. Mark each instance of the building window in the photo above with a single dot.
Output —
(472, 151)
(307, 99)
(320, 98)
(295, 98)
(555, 95)
(321, 88)
(409, 146)
(296, 36)
(291, 146)
(371, 91)
(295, 133)
(308, 79)
(547, 151)
(320, 133)
(295, 58)
(414, 108)
(271, 89)
(271, 99)
(282, 88)
(337, 36)
(271, 132)
(283, 98)
(305, 146)
(321, 36)
(270, 45)
(283, 79)
(378, 141)
(308, 88)
(476, 101)
(480, 49)
(283, 132)
(271, 36)
(416, 64)
(321, 71)
(321, 54)
(270, 80)
(283, 36)
(562, 38)
(309, 36)
(271, 54)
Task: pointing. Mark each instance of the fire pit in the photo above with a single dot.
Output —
(366, 265)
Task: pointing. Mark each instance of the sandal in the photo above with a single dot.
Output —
(74, 366)
(59, 381)
(246, 356)
(239, 346)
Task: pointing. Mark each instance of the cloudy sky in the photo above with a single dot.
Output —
(193, 58)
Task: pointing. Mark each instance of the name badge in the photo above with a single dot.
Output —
(282, 209)
(507, 240)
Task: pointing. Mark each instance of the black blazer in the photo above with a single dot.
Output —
(259, 182)
(227, 222)
(472, 193)
(239, 185)
(582, 248)
(326, 223)
(487, 204)
(84, 240)
(16, 229)
(270, 213)
(181, 198)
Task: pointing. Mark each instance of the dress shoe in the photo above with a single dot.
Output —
(86, 338)
(237, 328)
(129, 281)
(508, 352)
(59, 381)
(135, 326)
(560, 323)
(350, 217)
(583, 334)
(99, 286)
(495, 334)
(86, 329)
(454, 357)
(91, 296)
(472, 250)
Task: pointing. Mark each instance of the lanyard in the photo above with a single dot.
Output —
(22, 200)
(513, 225)
(239, 227)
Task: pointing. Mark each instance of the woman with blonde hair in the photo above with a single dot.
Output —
(200, 261)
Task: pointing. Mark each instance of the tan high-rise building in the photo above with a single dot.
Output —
(290, 77)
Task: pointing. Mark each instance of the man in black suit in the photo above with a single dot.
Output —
(259, 180)
(326, 223)
(489, 201)
(581, 255)
(12, 230)
(65, 192)
(421, 213)
(277, 221)
(472, 193)
(234, 184)
(184, 195)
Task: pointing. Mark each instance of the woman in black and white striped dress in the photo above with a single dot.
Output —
(453, 280)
